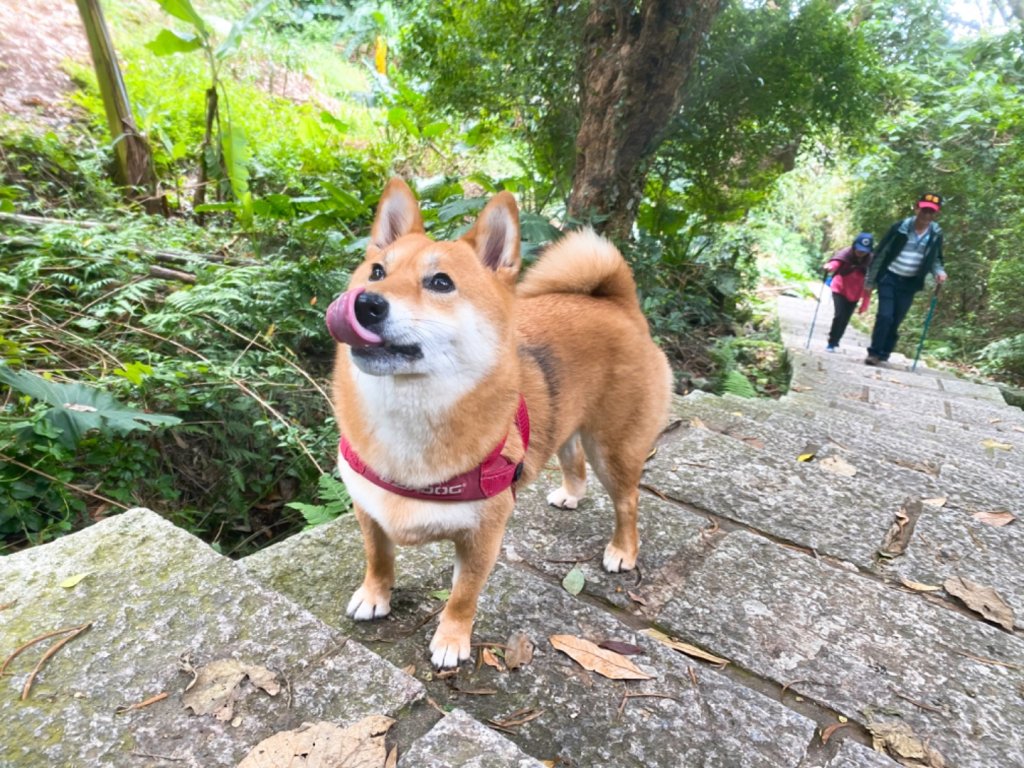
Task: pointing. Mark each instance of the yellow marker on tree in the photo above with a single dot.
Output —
(380, 55)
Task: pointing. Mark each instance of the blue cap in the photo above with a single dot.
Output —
(864, 242)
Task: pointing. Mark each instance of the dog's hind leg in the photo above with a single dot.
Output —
(476, 551)
(618, 465)
(572, 461)
(373, 599)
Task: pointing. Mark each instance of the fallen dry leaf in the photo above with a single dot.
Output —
(754, 442)
(636, 598)
(217, 686)
(626, 649)
(897, 538)
(826, 733)
(902, 744)
(918, 586)
(608, 664)
(927, 467)
(938, 501)
(805, 457)
(517, 718)
(995, 444)
(838, 466)
(72, 581)
(518, 650)
(324, 745)
(981, 599)
(488, 658)
(689, 650)
(696, 423)
(996, 518)
(574, 581)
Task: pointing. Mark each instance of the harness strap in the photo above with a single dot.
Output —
(491, 477)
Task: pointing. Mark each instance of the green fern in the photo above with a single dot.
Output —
(336, 500)
(735, 383)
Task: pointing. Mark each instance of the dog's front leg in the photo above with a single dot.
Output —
(475, 554)
(373, 599)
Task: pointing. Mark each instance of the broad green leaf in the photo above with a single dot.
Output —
(432, 130)
(182, 9)
(168, 42)
(461, 207)
(78, 408)
(134, 372)
(331, 120)
(399, 118)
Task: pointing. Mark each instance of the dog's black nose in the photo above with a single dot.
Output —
(371, 308)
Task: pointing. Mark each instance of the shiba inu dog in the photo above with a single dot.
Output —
(453, 385)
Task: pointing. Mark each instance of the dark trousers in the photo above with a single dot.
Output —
(840, 318)
(895, 295)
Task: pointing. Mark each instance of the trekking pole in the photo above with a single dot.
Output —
(824, 282)
(927, 322)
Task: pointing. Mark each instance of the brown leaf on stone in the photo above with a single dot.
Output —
(689, 650)
(636, 598)
(896, 539)
(995, 517)
(324, 745)
(518, 650)
(899, 742)
(917, 586)
(981, 599)
(218, 685)
(626, 649)
(608, 664)
(754, 442)
(826, 733)
(927, 467)
(488, 658)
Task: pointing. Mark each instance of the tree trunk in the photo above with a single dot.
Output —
(134, 163)
(636, 60)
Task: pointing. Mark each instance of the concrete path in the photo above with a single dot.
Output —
(837, 551)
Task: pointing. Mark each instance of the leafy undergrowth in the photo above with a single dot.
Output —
(107, 341)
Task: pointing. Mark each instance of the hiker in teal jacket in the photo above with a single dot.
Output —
(910, 250)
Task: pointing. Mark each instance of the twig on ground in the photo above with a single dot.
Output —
(141, 704)
(626, 695)
(75, 632)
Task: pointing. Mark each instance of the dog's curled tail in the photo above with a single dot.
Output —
(584, 263)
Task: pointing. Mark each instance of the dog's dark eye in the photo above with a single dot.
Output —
(377, 272)
(440, 283)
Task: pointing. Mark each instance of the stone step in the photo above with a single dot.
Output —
(689, 713)
(785, 497)
(971, 476)
(159, 603)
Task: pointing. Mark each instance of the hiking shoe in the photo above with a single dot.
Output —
(872, 360)
(831, 348)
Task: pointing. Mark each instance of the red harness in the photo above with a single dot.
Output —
(490, 478)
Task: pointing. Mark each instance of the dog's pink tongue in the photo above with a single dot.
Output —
(343, 325)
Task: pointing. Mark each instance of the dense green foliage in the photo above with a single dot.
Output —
(182, 363)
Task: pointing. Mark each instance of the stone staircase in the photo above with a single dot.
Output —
(804, 541)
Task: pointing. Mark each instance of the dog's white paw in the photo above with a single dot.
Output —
(618, 560)
(363, 606)
(563, 499)
(448, 650)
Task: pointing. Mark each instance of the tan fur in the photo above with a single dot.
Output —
(571, 339)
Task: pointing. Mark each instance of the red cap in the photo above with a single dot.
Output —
(934, 202)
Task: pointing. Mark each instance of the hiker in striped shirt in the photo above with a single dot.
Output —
(910, 250)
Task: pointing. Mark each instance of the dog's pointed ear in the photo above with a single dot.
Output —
(495, 235)
(398, 214)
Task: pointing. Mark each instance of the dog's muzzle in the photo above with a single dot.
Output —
(352, 315)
